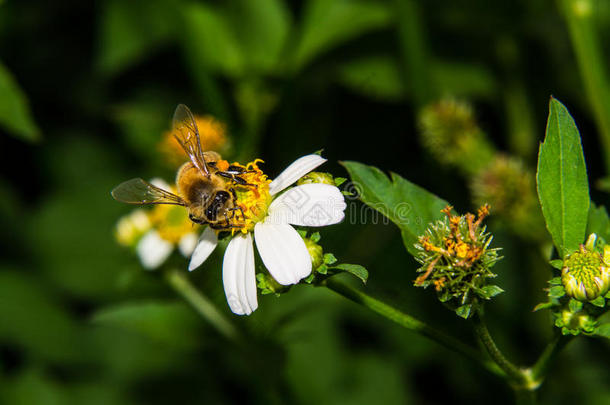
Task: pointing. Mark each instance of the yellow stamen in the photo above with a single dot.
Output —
(439, 284)
(253, 199)
(171, 221)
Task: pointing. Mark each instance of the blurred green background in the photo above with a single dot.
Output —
(87, 89)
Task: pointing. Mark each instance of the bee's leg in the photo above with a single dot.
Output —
(227, 221)
(238, 170)
(235, 178)
(243, 216)
(240, 209)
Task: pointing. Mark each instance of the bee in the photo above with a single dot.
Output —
(206, 183)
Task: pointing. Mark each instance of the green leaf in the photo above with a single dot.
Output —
(557, 264)
(329, 23)
(603, 330)
(339, 181)
(409, 206)
(375, 76)
(555, 281)
(131, 30)
(574, 305)
(563, 188)
(157, 321)
(209, 42)
(543, 305)
(315, 237)
(490, 291)
(354, 269)
(599, 222)
(464, 311)
(261, 29)
(329, 258)
(557, 292)
(599, 302)
(15, 115)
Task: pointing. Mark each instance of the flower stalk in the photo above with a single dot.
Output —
(204, 307)
(553, 348)
(516, 375)
(411, 323)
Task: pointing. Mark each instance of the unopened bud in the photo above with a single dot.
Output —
(315, 252)
(317, 177)
(585, 275)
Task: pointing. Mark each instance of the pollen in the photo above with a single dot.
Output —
(222, 165)
(253, 199)
(459, 241)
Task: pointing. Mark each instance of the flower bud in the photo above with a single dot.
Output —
(450, 132)
(267, 284)
(456, 259)
(575, 322)
(508, 186)
(585, 275)
(315, 252)
(317, 177)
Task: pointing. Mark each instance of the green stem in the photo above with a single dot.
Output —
(540, 368)
(409, 322)
(179, 282)
(515, 374)
(579, 15)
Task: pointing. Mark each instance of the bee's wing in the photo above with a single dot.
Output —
(186, 133)
(138, 191)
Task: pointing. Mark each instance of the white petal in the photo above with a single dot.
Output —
(187, 244)
(206, 245)
(238, 275)
(308, 205)
(153, 250)
(283, 251)
(295, 171)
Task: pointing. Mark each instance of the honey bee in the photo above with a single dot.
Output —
(206, 191)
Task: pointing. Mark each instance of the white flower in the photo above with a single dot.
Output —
(281, 248)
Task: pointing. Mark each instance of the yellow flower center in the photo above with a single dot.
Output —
(253, 199)
(212, 134)
(171, 221)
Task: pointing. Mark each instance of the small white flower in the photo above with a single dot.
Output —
(281, 248)
(153, 248)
